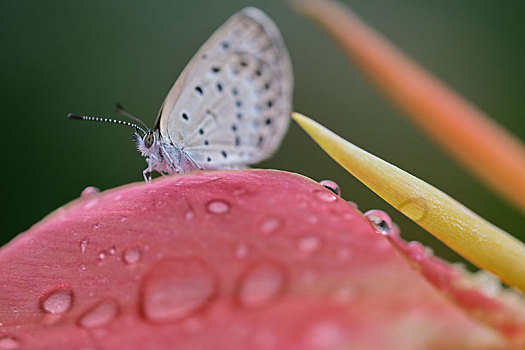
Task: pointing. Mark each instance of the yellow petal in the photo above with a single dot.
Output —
(477, 240)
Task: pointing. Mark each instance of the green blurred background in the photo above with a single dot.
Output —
(82, 56)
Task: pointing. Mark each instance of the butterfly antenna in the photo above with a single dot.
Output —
(120, 110)
(106, 120)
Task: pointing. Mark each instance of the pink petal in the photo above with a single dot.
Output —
(225, 260)
(486, 301)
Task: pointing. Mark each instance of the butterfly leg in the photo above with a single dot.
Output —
(147, 175)
(147, 172)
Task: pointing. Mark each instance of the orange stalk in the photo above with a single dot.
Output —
(468, 134)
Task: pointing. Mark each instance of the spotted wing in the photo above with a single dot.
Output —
(231, 104)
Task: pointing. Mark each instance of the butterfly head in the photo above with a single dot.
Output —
(149, 139)
(147, 143)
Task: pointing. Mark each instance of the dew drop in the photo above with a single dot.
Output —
(123, 218)
(271, 225)
(82, 267)
(241, 251)
(415, 208)
(91, 203)
(9, 343)
(218, 207)
(380, 220)
(112, 250)
(261, 285)
(58, 301)
(309, 245)
(189, 215)
(353, 204)
(488, 283)
(131, 255)
(102, 255)
(83, 244)
(327, 335)
(99, 315)
(418, 252)
(89, 192)
(326, 196)
(174, 289)
(332, 186)
(240, 191)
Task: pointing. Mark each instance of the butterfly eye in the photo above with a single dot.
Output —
(148, 140)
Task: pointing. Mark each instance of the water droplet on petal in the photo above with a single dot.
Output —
(241, 251)
(123, 218)
(9, 343)
(58, 301)
(327, 335)
(189, 215)
(89, 192)
(326, 196)
(332, 186)
(101, 255)
(82, 267)
(271, 225)
(91, 203)
(112, 250)
(131, 255)
(380, 220)
(261, 285)
(429, 251)
(353, 204)
(488, 283)
(218, 207)
(100, 314)
(239, 191)
(418, 252)
(177, 288)
(83, 244)
(309, 244)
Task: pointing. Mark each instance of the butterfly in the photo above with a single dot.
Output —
(229, 107)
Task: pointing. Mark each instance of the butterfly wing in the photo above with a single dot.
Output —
(230, 106)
